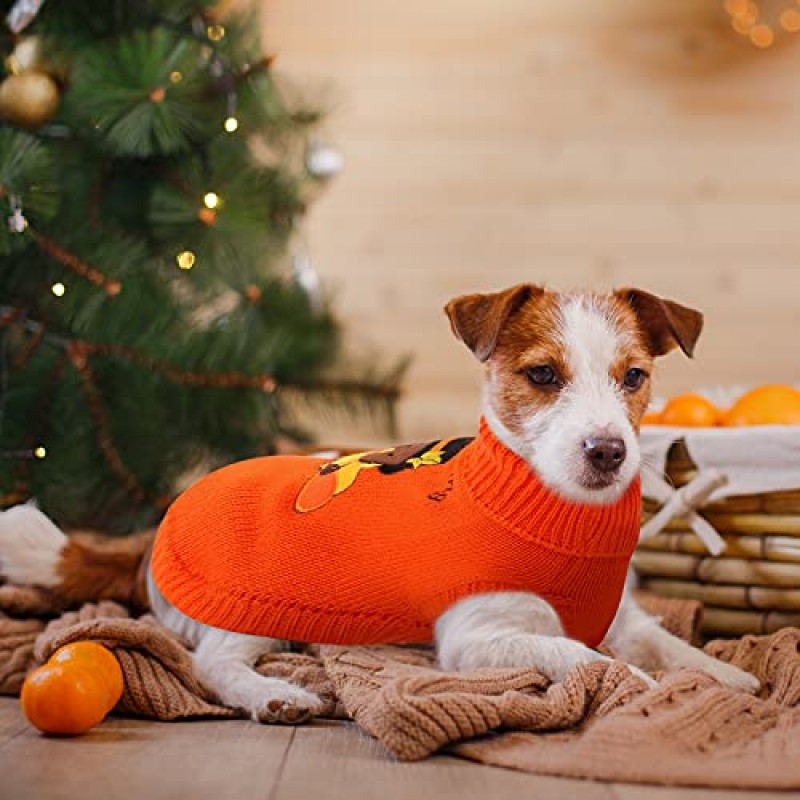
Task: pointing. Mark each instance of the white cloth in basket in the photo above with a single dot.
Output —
(730, 461)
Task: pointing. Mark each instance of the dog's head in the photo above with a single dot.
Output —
(568, 377)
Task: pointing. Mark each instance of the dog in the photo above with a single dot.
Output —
(567, 381)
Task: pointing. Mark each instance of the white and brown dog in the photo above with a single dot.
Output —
(567, 382)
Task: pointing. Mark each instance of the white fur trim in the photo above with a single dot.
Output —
(30, 546)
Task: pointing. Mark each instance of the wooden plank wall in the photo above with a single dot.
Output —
(487, 142)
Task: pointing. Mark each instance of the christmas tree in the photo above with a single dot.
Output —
(152, 175)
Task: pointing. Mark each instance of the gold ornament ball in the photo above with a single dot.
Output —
(28, 100)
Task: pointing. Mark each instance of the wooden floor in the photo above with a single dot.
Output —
(126, 758)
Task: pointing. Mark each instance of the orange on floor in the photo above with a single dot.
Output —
(74, 690)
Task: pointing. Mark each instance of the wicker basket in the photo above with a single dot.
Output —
(754, 586)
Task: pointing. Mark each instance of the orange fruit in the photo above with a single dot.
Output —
(690, 411)
(775, 404)
(74, 690)
(98, 660)
(62, 699)
(652, 418)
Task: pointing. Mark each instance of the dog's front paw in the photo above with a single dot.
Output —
(570, 655)
(730, 676)
(564, 656)
(553, 656)
(287, 705)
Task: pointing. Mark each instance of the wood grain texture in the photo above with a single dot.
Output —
(125, 758)
(670, 793)
(338, 762)
(130, 759)
(12, 722)
(575, 143)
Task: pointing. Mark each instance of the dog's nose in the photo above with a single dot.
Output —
(605, 453)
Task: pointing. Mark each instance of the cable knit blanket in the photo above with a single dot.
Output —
(601, 723)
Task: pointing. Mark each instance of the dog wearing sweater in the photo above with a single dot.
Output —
(510, 549)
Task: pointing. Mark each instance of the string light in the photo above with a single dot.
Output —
(76, 265)
(186, 259)
(215, 32)
(207, 216)
(790, 20)
(40, 452)
(762, 35)
(736, 7)
(743, 16)
(175, 76)
(211, 199)
(742, 25)
(231, 122)
(760, 22)
(58, 289)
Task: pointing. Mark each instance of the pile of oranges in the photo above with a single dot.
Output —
(767, 405)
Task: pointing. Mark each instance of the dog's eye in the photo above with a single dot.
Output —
(634, 378)
(543, 375)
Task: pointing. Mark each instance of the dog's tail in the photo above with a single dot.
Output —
(77, 569)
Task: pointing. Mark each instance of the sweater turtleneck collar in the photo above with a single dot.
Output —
(509, 490)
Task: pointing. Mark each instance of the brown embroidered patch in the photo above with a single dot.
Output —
(337, 476)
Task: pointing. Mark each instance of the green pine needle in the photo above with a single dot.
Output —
(123, 90)
(26, 173)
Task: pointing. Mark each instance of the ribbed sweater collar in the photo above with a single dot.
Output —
(511, 492)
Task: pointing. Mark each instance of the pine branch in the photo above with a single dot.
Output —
(27, 181)
(78, 357)
(385, 390)
(128, 93)
(76, 264)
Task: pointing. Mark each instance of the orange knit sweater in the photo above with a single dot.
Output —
(373, 548)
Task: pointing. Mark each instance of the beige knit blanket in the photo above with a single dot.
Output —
(600, 723)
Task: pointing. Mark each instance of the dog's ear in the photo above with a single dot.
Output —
(665, 323)
(476, 319)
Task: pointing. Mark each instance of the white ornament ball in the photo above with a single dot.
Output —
(323, 161)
